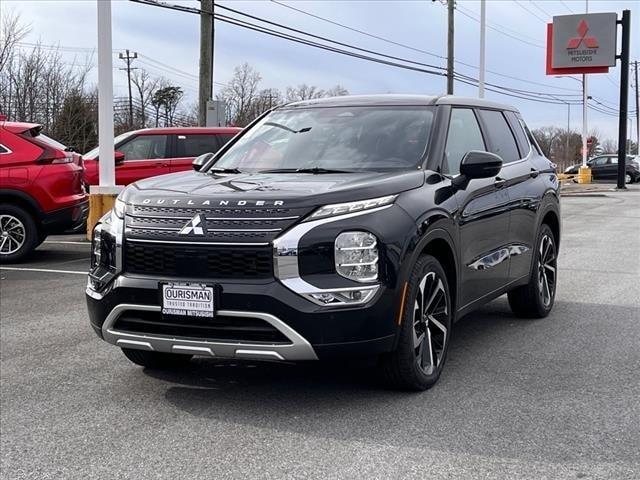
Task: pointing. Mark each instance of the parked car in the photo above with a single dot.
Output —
(605, 167)
(350, 226)
(41, 189)
(157, 151)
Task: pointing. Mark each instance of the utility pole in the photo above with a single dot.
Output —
(566, 147)
(637, 112)
(205, 86)
(624, 94)
(483, 31)
(585, 98)
(450, 8)
(128, 58)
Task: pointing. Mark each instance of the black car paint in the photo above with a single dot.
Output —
(430, 214)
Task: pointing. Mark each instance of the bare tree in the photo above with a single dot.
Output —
(304, 92)
(240, 94)
(11, 33)
(609, 146)
(337, 91)
(546, 138)
(144, 85)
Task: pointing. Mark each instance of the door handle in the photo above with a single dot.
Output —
(534, 173)
(162, 164)
(500, 182)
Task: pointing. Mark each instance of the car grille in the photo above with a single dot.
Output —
(195, 261)
(219, 328)
(235, 242)
(223, 225)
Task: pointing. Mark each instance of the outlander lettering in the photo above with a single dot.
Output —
(341, 227)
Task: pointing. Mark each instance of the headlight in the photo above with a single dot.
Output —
(96, 246)
(356, 256)
(350, 207)
(118, 208)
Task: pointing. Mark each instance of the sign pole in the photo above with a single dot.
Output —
(624, 96)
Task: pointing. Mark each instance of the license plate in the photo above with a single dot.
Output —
(188, 300)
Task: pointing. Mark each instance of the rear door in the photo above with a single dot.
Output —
(610, 169)
(507, 138)
(190, 146)
(483, 218)
(144, 156)
(598, 168)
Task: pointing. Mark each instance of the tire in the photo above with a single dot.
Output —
(425, 329)
(536, 298)
(156, 360)
(18, 233)
(628, 179)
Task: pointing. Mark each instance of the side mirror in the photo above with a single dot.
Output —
(119, 157)
(200, 161)
(477, 164)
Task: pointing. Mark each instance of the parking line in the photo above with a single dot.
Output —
(65, 242)
(42, 270)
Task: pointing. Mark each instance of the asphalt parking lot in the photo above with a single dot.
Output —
(552, 398)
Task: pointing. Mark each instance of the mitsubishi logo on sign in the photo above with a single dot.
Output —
(583, 41)
(589, 42)
(193, 226)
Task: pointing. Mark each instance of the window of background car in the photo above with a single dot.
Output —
(197, 144)
(3, 149)
(501, 139)
(93, 154)
(145, 147)
(353, 138)
(464, 135)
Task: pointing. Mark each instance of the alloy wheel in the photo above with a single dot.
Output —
(547, 270)
(627, 178)
(12, 234)
(430, 320)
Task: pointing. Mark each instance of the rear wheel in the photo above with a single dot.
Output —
(18, 233)
(535, 299)
(628, 178)
(417, 362)
(156, 360)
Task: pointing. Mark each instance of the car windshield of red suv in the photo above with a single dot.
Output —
(333, 138)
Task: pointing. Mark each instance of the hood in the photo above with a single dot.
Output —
(267, 189)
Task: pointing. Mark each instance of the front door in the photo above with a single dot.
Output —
(144, 156)
(483, 214)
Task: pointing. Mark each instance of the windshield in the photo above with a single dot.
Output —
(333, 138)
(93, 154)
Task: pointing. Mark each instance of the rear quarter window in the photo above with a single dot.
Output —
(501, 139)
(197, 144)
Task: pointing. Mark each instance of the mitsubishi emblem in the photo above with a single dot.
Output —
(193, 226)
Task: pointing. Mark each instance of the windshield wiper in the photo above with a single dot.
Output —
(314, 170)
(223, 170)
(284, 127)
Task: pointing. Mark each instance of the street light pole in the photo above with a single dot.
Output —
(450, 49)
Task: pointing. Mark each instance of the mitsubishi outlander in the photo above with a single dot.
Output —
(350, 226)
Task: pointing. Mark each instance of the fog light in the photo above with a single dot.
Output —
(356, 256)
(343, 296)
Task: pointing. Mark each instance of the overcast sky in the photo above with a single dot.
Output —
(172, 38)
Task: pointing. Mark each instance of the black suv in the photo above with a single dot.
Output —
(357, 226)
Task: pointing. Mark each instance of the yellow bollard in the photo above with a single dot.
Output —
(101, 200)
(584, 175)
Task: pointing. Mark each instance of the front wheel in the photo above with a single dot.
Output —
(536, 298)
(425, 330)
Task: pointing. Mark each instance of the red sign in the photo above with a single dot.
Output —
(569, 71)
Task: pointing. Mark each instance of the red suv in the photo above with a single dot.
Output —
(41, 189)
(156, 151)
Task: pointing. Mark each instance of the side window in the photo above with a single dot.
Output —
(144, 147)
(224, 139)
(598, 161)
(501, 140)
(197, 144)
(523, 142)
(4, 149)
(613, 160)
(464, 135)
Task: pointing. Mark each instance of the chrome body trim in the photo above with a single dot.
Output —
(298, 349)
(178, 242)
(496, 257)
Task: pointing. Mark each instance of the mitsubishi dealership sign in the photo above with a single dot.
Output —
(584, 43)
(587, 40)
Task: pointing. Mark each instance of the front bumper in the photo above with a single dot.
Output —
(312, 332)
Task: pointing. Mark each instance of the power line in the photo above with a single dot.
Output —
(566, 6)
(517, 2)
